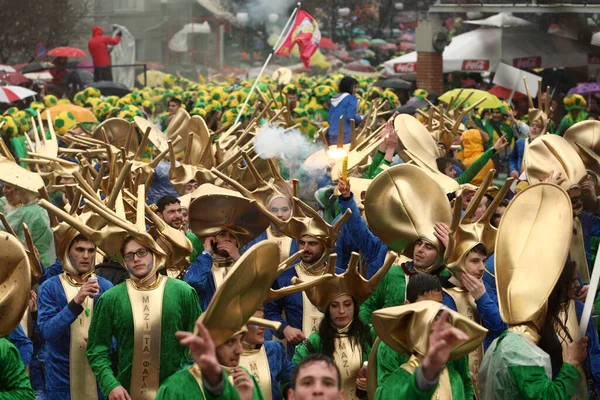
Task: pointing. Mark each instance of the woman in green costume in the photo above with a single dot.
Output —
(526, 361)
(342, 335)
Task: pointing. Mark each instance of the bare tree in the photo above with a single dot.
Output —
(52, 22)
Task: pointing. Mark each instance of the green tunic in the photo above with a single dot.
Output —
(515, 368)
(183, 385)
(403, 385)
(197, 244)
(113, 317)
(374, 168)
(388, 366)
(302, 350)
(38, 222)
(389, 293)
(14, 382)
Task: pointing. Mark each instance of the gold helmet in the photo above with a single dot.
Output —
(15, 283)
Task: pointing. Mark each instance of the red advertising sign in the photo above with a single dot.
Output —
(476, 65)
(404, 68)
(527, 62)
(593, 58)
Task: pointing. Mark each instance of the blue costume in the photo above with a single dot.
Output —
(263, 236)
(515, 161)
(592, 362)
(343, 104)
(22, 343)
(55, 317)
(53, 270)
(279, 366)
(590, 226)
(292, 305)
(161, 185)
(489, 314)
(370, 246)
(489, 278)
(199, 276)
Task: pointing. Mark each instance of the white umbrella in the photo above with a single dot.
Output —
(485, 48)
(39, 76)
(501, 20)
(10, 94)
(6, 68)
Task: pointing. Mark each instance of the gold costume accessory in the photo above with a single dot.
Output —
(402, 205)
(15, 283)
(406, 328)
(466, 233)
(214, 209)
(350, 282)
(525, 274)
(584, 136)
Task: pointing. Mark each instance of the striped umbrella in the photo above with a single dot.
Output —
(10, 94)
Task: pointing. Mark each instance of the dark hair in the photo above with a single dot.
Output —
(311, 359)
(346, 84)
(419, 284)
(442, 163)
(164, 201)
(126, 241)
(359, 332)
(479, 249)
(175, 100)
(80, 238)
(549, 341)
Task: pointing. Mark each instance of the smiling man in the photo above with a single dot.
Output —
(316, 377)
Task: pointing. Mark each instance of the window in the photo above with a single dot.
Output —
(129, 5)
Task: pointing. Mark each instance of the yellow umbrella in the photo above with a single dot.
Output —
(491, 101)
(153, 78)
(81, 114)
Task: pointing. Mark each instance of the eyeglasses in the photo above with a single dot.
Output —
(141, 252)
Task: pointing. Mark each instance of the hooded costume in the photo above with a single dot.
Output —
(342, 105)
(15, 284)
(514, 366)
(406, 330)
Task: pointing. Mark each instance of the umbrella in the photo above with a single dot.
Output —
(10, 94)
(36, 66)
(491, 101)
(360, 42)
(7, 68)
(358, 68)
(504, 93)
(407, 37)
(86, 65)
(584, 89)
(393, 83)
(377, 42)
(81, 77)
(81, 114)
(327, 43)
(13, 78)
(362, 53)
(39, 76)
(67, 52)
(411, 108)
(109, 88)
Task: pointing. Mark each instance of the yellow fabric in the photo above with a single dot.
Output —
(472, 150)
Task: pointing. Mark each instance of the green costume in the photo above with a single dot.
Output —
(14, 382)
(389, 293)
(504, 127)
(473, 169)
(197, 244)
(568, 121)
(391, 379)
(374, 168)
(38, 222)
(183, 385)
(113, 317)
(515, 368)
(302, 350)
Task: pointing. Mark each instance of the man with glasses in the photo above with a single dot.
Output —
(66, 304)
(149, 307)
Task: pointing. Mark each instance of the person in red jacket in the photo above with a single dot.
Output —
(97, 47)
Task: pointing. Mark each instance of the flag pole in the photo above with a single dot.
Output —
(262, 70)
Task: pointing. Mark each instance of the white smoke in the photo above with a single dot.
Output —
(292, 147)
(259, 10)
